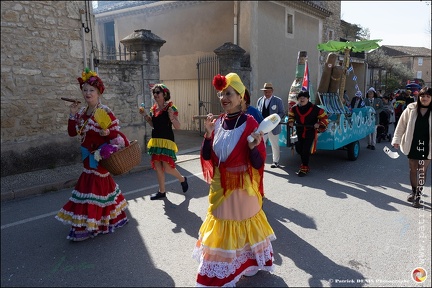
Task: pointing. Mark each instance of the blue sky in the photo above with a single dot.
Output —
(399, 23)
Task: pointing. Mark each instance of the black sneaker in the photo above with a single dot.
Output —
(185, 185)
(372, 148)
(157, 195)
(275, 165)
(416, 202)
(410, 197)
(369, 146)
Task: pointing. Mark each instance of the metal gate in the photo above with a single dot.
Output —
(208, 67)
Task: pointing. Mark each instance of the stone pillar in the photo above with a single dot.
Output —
(145, 47)
(231, 57)
(145, 44)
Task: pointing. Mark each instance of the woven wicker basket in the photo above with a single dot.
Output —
(123, 160)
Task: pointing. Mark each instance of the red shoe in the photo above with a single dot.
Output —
(303, 171)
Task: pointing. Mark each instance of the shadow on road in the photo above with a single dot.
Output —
(304, 255)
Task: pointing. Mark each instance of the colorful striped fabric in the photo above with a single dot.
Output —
(332, 103)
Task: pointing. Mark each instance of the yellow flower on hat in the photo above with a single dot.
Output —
(91, 77)
(87, 73)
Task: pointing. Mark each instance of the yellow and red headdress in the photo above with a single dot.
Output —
(221, 82)
(91, 77)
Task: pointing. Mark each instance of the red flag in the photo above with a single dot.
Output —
(305, 83)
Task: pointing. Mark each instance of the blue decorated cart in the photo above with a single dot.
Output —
(346, 127)
(343, 132)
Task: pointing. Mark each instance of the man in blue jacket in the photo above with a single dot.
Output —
(269, 104)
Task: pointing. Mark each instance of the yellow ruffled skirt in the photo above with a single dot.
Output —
(163, 150)
(234, 239)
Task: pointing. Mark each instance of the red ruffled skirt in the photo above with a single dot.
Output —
(96, 206)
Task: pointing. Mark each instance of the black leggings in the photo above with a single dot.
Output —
(303, 147)
(418, 172)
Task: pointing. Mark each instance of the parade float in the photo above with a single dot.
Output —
(347, 126)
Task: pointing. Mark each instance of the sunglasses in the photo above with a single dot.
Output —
(227, 94)
(156, 92)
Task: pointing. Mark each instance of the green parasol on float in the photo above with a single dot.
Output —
(346, 48)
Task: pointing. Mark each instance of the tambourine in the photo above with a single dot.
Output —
(70, 100)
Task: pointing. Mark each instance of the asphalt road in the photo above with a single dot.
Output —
(345, 224)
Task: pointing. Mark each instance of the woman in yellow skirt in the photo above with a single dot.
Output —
(234, 239)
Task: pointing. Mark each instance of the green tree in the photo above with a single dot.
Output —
(395, 72)
(392, 83)
(354, 31)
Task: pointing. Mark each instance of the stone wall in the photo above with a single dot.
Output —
(123, 82)
(42, 56)
(332, 22)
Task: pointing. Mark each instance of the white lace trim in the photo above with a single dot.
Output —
(104, 220)
(90, 171)
(224, 269)
(237, 278)
(93, 125)
(89, 196)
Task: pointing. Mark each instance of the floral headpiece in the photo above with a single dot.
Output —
(91, 77)
(162, 87)
(221, 82)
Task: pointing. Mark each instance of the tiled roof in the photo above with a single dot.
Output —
(315, 7)
(106, 6)
(406, 51)
(139, 8)
(117, 5)
(318, 5)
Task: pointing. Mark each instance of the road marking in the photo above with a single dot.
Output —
(31, 219)
(28, 220)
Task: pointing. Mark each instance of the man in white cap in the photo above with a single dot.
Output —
(269, 104)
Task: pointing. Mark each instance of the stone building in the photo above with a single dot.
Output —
(415, 59)
(271, 33)
(45, 46)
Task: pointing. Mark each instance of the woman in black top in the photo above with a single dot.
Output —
(161, 147)
(413, 137)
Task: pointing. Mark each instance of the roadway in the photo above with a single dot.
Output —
(347, 223)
